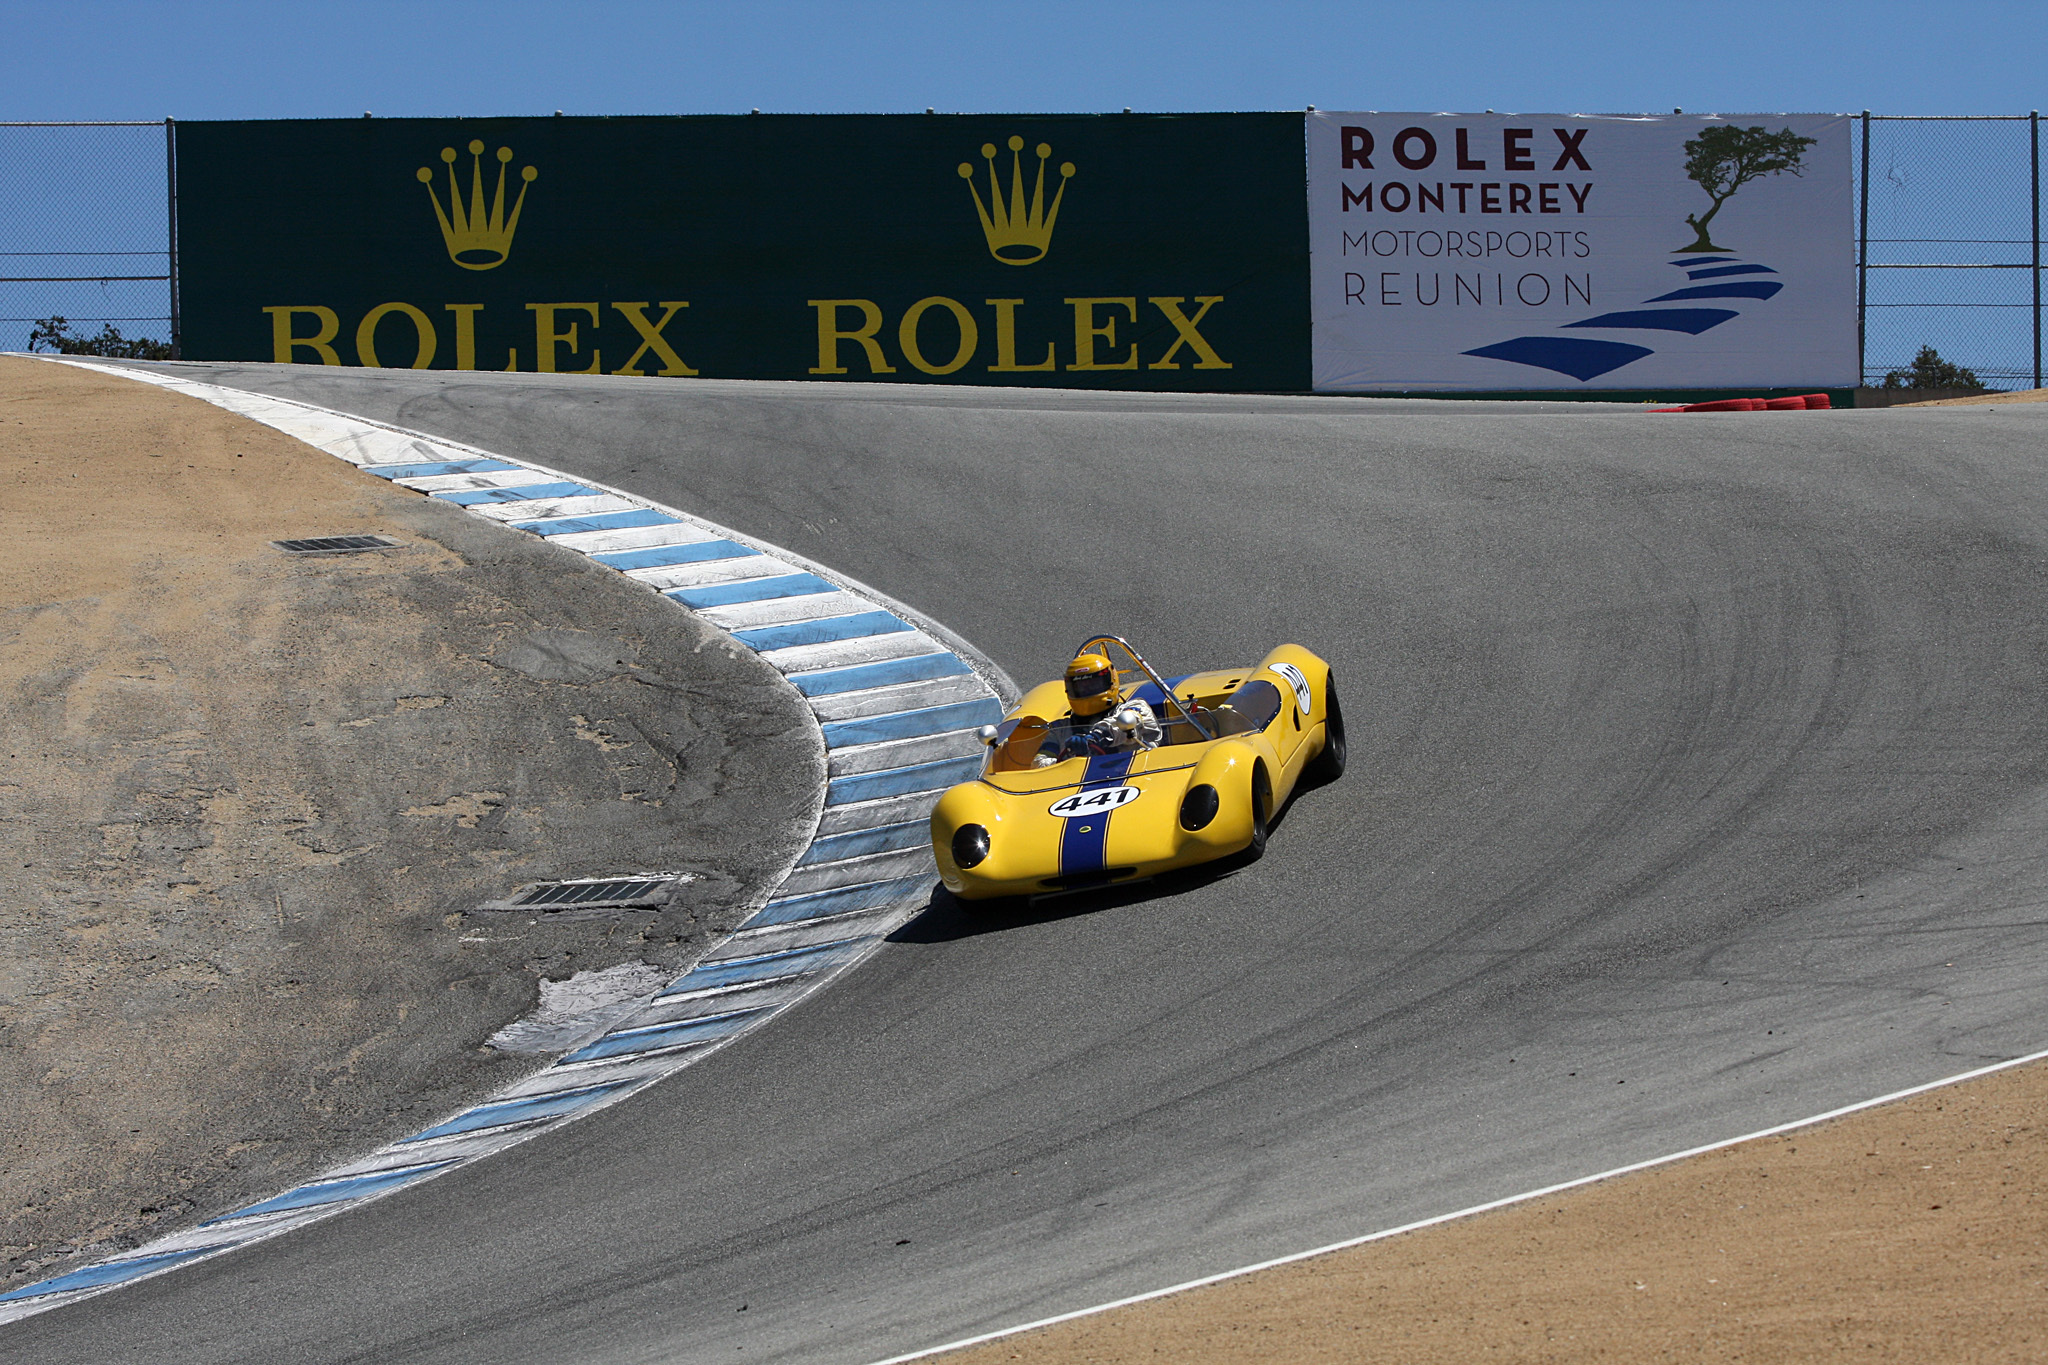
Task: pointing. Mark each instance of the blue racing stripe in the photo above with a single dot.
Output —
(826, 682)
(656, 556)
(519, 1110)
(1084, 840)
(330, 1192)
(738, 971)
(471, 497)
(860, 842)
(428, 470)
(602, 521)
(98, 1276)
(752, 590)
(823, 630)
(930, 720)
(920, 777)
(683, 1031)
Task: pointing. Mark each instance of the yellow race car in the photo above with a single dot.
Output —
(1114, 774)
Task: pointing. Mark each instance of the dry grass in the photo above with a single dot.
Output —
(1913, 1233)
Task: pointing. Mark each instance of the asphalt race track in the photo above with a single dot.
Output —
(1699, 767)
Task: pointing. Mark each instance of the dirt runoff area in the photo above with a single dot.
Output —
(1983, 400)
(252, 802)
(1910, 1233)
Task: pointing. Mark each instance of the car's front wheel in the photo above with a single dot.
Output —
(1262, 812)
(1329, 764)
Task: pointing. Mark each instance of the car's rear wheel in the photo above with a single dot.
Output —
(1329, 764)
(1262, 812)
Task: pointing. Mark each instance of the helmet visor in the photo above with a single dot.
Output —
(1091, 684)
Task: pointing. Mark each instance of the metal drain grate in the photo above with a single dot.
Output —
(591, 893)
(335, 545)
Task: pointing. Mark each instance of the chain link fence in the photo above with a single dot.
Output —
(1949, 245)
(86, 231)
(1948, 229)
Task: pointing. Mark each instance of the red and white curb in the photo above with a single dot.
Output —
(897, 697)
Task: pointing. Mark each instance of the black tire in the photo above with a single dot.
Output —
(1262, 812)
(1329, 764)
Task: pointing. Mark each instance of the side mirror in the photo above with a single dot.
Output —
(988, 734)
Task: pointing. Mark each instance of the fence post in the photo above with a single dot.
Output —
(1863, 252)
(171, 206)
(2034, 128)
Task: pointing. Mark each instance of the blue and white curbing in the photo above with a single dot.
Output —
(897, 697)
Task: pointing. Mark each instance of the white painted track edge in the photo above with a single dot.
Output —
(1435, 1220)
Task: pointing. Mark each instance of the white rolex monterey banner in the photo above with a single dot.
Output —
(1567, 251)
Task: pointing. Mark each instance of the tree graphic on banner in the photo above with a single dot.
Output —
(1722, 160)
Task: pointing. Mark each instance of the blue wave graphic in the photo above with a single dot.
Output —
(1585, 359)
(1693, 320)
(1580, 357)
(1729, 270)
(1734, 289)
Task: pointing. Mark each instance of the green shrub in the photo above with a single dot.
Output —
(1930, 371)
(54, 334)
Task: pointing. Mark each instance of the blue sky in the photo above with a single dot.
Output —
(121, 59)
(131, 59)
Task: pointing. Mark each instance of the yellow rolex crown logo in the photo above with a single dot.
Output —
(477, 240)
(1018, 233)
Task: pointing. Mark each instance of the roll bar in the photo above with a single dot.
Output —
(1150, 672)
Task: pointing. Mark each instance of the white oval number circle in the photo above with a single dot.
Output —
(1097, 802)
(1297, 681)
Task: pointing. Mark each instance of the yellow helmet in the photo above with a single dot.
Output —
(1091, 685)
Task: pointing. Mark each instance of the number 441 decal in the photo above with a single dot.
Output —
(1295, 679)
(1093, 803)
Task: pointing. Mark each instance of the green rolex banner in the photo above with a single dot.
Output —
(1110, 251)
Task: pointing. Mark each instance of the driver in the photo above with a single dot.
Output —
(1103, 722)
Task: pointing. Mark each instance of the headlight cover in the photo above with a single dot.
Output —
(970, 846)
(1198, 807)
